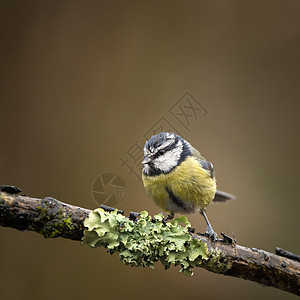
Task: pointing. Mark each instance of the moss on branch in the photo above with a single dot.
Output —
(145, 241)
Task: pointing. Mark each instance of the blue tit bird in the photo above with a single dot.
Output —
(178, 178)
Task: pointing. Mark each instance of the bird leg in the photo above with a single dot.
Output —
(209, 230)
(169, 217)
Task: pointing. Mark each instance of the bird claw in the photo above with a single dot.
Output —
(211, 234)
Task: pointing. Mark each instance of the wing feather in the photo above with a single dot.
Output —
(204, 163)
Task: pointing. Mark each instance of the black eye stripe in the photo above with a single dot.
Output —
(164, 150)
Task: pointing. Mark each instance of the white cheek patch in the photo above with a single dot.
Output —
(169, 160)
(146, 169)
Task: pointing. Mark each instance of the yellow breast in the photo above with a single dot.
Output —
(190, 186)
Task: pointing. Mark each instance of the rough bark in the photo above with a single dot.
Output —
(53, 218)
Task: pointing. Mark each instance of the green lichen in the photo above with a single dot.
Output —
(3, 198)
(217, 262)
(52, 223)
(145, 241)
(2, 201)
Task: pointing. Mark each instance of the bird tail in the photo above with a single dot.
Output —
(223, 197)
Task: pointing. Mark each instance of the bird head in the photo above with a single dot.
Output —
(163, 152)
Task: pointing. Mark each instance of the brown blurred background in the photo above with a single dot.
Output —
(81, 81)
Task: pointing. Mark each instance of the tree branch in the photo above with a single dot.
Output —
(52, 218)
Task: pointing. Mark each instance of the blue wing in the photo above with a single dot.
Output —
(209, 167)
